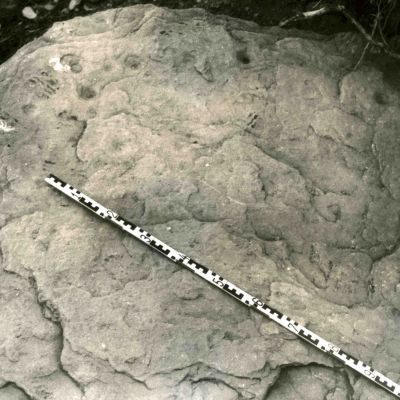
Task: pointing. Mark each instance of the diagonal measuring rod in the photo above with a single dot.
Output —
(228, 287)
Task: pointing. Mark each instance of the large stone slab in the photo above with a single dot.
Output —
(258, 152)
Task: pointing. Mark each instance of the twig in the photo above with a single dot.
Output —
(341, 9)
(306, 15)
(387, 13)
(376, 23)
(360, 60)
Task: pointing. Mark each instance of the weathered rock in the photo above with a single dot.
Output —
(315, 381)
(10, 392)
(256, 151)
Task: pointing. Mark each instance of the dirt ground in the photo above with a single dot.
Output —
(16, 29)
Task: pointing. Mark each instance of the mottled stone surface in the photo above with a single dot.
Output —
(258, 152)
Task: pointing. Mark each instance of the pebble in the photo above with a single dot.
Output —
(28, 12)
(4, 127)
(73, 4)
(56, 64)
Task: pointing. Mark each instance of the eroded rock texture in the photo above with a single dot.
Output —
(258, 152)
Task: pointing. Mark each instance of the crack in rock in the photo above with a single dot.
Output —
(309, 375)
(50, 312)
(14, 391)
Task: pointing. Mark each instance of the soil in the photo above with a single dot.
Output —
(16, 29)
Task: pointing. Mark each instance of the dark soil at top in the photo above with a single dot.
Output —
(16, 29)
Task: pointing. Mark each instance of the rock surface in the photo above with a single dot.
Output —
(258, 152)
